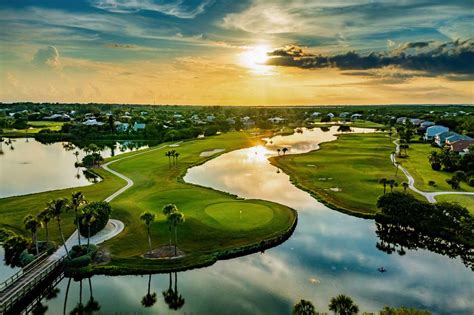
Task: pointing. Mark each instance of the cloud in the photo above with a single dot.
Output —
(454, 57)
(177, 8)
(47, 57)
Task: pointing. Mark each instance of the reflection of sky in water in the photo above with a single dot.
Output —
(330, 253)
(34, 167)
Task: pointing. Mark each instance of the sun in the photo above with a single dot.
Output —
(255, 58)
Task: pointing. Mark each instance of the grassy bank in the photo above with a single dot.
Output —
(419, 167)
(463, 200)
(344, 173)
(217, 224)
(33, 128)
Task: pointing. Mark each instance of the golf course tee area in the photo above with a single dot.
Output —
(217, 225)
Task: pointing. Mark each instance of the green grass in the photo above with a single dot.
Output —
(212, 224)
(356, 124)
(34, 127)
(418, 166)
(354, 164)
(463, 200)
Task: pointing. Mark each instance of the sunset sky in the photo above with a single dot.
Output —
(237, 52)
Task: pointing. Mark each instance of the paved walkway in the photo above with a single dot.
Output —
(430, 196)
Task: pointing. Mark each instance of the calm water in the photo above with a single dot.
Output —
(28, 166)
(330, 253)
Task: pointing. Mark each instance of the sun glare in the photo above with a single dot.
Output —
(255, 58)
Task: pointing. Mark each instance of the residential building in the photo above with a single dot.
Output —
(276, 120)
(92, 122)
(461, 146)
(139, 126)
(455, 138)
(440, 138)
(356, 116)
(432, 131)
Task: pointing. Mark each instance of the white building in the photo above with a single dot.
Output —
(276, 120)
(92, 122)
(432, 131)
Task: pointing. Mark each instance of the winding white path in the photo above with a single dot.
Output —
(430, 196)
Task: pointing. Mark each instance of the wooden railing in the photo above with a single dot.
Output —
(18, 293)
(21, 272)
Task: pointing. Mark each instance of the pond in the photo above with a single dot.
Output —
(330, 253)
(28, 166)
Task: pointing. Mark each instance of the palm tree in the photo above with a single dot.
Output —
(343, 305)
(92, 305)
(285, 150)
(303, 307)
(77, 200)
(33, 224)
(397, 165)
(168, 154)
(176, 155)
(405, 186)
(167, 211)
(148, 217)
(45, 216)
(58, 207)
(384, 182)
(278, 150)
(89, 216)
(174, 220)
(392, 183)
(149, 299)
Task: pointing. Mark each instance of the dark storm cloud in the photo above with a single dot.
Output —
(455, 57)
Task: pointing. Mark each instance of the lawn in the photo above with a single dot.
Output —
(463, 200)
(33, 127)
(345, 173)
(214, 224)
(418, 166)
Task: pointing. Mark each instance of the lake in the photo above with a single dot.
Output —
(330, 253)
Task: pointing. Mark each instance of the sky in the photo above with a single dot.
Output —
(246, 52)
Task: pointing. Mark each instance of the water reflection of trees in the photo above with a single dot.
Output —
(173, 299)
(404, 230)
(80, 308)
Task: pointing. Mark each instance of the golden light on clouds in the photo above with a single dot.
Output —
(254, 58)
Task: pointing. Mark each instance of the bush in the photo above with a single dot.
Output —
(432, 183)
(78, 262)
(436, 166)
(103, 211)
(470, 181)
(26, 258)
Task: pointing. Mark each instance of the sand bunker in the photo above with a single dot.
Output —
(211, 152)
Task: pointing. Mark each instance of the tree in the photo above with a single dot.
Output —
(397, 166)
(173, 299)
(168, 154)
(392, 183)
(384, 182)
(303, 307)
(460, 175)
(278, 150)
(148, 217)
(435, 160)
(174, 220)
(33, 224)
(57, 207)
(167, 211)
(150, 298)
(453, 182)
(405, 185)
(77, 200)
(284, 150)
(88, 217)
(343, 305)
(176, 155)
(402, 311)
(45, 216)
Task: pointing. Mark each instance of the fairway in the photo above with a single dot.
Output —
(345, 173)
(214, 226)
(240, 215)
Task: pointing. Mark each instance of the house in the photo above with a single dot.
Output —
(125, 117)
(63, 117)
(120, 126)
(276, 120)
(455, 138)
(143, 113)
(247, 122)
(432, 131)
(315, 114)
(330, 115)
(230, 121)
(139, 126)
(427, 124)
(461, 146)
(92, 122)
(356, 116)
(402, 120)
(178, 116)
(415, 122)
(440, 138)
(344, 114)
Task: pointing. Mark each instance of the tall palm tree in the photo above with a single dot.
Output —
(168, 154)
(77, 200)
(397, 166)
(176, 155)
(33, 224)
(303, 307)
(343, 305)
(89, 216)
(167, 211)
(405, 186)
(174, 220)
(45, 216)
(392, 183)
(57, 207)
(384, 182)
(148, 217)
(150, 298)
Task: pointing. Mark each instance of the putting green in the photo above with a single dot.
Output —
(240, 215)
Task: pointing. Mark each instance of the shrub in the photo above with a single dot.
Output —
(470, 181)
(432, 183)
(436, 166)
(78, 262)
(103, 211)
(26, 258)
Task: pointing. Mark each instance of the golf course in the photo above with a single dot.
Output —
(217, 225)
